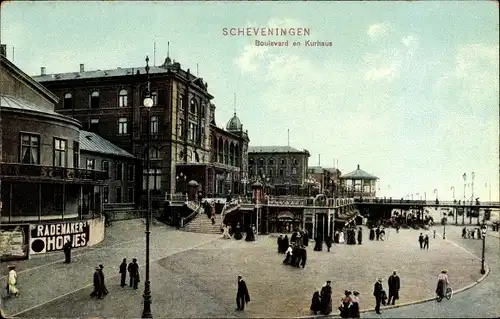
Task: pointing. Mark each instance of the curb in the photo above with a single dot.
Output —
(411, 303)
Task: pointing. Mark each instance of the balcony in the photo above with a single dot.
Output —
(39, 173)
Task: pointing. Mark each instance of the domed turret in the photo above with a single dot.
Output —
(234, 124)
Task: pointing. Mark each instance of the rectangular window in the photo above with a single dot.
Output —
(192, 131)
(294, 171)
(181, 127)
(76, 155)
(118, 195)
(105, 166)
(131, 173)
(60, 155)
(90, 164)
(130, 195)
(94, 125)
(122, 125)
(154, 96)
(119, 171)
(30, 149)
(153, 125)
(123, 98)
(58, 201)
(281, 172)
(105, 194)
(181, 102)
(154, 179)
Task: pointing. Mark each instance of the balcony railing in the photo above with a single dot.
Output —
(51, 172)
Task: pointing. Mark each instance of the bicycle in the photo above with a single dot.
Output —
(447, 295)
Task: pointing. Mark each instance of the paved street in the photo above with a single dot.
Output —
(199, 280)
(481, 301)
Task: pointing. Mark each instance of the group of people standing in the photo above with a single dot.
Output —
(132, 268)
(423, 241)
(377, 233)
(380, 295)
(322, 300)
(471, 233)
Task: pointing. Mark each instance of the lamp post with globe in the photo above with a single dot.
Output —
(148, 104)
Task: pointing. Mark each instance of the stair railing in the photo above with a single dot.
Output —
(190, 217)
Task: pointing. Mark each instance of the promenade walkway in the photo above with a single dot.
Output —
(195, 276)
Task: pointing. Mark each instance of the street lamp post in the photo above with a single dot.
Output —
(483, 232)
(465, 185)
(148, 103)
(437, 195)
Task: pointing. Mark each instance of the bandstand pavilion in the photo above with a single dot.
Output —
(358, 183)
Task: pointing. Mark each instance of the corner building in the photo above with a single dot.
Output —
(181, 123)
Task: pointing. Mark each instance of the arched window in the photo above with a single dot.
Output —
(68, 101)
(123, 98)
(261, 162)
(192, 106)
(94, 100)
(271, 162)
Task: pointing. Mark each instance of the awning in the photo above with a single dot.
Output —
(285, 215)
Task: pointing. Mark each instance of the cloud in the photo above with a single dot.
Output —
(247, 61)
(474, 75)
(378, 30)
(411, 43)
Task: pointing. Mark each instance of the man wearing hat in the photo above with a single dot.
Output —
(377, 293)
(242, 295)
(103, 289)
(97, 284)
(393, 283)
(326, 298)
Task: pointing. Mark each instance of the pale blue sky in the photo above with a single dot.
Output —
(409, 90)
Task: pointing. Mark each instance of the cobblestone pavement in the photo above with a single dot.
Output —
(481, 301)
(201, 282)
(47, 279)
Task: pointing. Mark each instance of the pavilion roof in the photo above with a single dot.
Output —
(359, 174)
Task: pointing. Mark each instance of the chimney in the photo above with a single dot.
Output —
(82, 67)
(42, 70)
(3, 50)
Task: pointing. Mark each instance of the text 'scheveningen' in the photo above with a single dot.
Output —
(251, 31)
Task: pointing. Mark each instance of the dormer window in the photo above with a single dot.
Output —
(192, 106)
(123, 98)
(68, 101)
(94, 100)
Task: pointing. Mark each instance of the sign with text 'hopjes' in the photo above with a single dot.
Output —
(52, 237)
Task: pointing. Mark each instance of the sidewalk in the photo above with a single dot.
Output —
(47, 278)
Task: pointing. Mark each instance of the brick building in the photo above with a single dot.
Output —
(181, 123)
(40, 155)
(281, 169)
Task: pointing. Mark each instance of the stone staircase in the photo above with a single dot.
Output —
(202, 224)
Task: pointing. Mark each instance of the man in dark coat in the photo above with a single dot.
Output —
(377, 293)
(103, 282)
(306, 238)
(318, 245)
(360, 236)
(421, 240)
(97, 292)
(280, 244)
(237, 232)
(123, 272)
(326, 298)
(377, 233)
(67, 251)
(372, 234)
(293, 239)
(133, 272)
(242, 296)
(426, 242)
(328, 242)
(393, 284)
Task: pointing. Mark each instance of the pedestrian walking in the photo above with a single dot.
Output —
(11, 286)
(421, 241)
(426, 242)
(103, 282)
(133, 272)
(377, 293)
(394, 284)
(123, 272)
(97, 292)
(242, 296)
(67, 251)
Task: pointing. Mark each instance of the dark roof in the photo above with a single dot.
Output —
(97, 74)
(92, 142)
(358, 174)
(14, 102)
(234, 124)
(29, 80)
(273, 149)
(316, 169)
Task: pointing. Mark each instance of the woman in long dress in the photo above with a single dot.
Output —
(341, 237)
(13, 281)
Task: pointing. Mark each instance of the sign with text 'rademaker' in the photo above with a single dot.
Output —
(52, 237)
